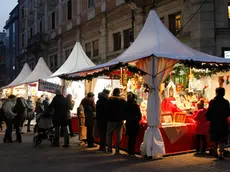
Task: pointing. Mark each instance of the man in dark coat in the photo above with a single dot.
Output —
(102, 121)
(116, 117)
(218, 113)
(90, 116)
(133, 117)
(60, 117)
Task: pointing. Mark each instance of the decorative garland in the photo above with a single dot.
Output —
(211, 68)
(105, 72)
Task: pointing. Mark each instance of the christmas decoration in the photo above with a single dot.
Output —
(227, 80)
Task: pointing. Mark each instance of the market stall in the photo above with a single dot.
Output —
(152, 56)
(15, 87)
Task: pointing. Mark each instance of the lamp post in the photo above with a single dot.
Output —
(133, 6)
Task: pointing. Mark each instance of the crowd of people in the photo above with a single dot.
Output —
(109, 114)
(106, 115)
(213, 122)
(113, 114)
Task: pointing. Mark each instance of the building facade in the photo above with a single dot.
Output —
(12, 44)
(2, 59)
(105, 28)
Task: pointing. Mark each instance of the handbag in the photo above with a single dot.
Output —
(30, 115)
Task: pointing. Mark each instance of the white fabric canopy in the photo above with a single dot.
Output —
(76, 61)
(155, 39)
(41, 71)
(21, 76)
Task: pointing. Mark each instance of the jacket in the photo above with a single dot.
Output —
(202, 125)
(133, 117)
(8, 110)
(70, 107)
(101, 108)
(116, 109)
(218, 113)
(60, 110)
(89, 108)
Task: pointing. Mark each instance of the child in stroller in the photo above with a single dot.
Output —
(43, 129)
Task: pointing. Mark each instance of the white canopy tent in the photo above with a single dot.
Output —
(76, 61)
(41, 71)
(156, 41)
(21, 76)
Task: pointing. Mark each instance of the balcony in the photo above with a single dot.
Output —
(37, 43)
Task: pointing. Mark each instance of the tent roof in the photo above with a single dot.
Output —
(76, 61)
(21, 76)
(41, 71)
(156, 39)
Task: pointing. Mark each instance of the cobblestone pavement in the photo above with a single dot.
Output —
(26, 158)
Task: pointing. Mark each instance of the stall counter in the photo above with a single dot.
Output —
(177, 137)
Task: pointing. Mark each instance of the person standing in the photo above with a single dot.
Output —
(101, 117)
(218, 113)
(10, 115)
(116, 117)
(90, 116)
(70, 105)
(45, 104)
(201, 128)
(30, 112)
(20, 110)
(133, 117)
(60, 108)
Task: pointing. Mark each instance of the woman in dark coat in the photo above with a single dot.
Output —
(218, 113)
(133, 117)
(19, 109)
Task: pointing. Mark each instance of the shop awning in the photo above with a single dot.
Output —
(41, 71)
(76, 61)
(155, 39)
(21, 76)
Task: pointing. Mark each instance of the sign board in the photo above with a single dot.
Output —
(227, 54)
(48, 86)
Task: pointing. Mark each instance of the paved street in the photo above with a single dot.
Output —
(26, 158)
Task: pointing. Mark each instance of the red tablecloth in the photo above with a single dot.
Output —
(176, 138)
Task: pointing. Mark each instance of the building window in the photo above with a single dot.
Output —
(41, 26)
(95, 48)
(31, 32)
(91, 3)
(229, 14)
(117, 41)
(127, 37)
(23, 40)
(66, 54)
(53, 20)
(175, 23)
(51, 62)
(22, 13)
(69, 9)
(55, 61)
(88, 49)
(162, 20)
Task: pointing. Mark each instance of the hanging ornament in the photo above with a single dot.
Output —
(221, 81)
(227, 80)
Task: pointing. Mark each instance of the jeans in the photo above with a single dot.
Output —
(8, 131)
(57, 135)
(18, 132)
(28, 125)
(102, 129)
(90, 126)
(118, 126)
(200, 137)
(131, 144)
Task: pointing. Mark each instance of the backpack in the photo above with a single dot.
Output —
(2, 113)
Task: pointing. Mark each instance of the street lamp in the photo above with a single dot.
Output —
(133, 6)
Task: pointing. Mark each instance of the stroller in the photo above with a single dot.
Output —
(43, 129)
